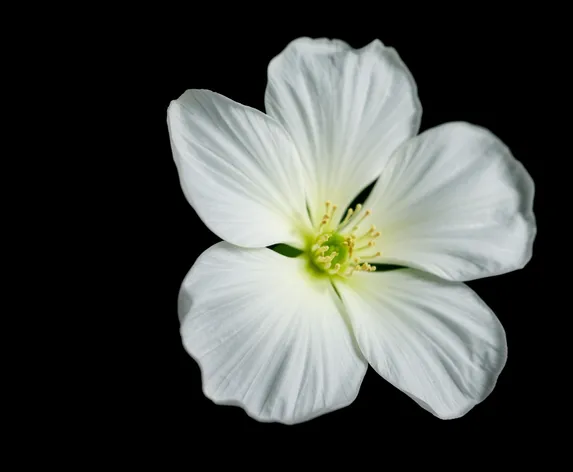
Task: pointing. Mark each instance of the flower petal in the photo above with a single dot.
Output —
(238, 169)
(435, 340)
(454, 202)
(268, 338)
(345, 109)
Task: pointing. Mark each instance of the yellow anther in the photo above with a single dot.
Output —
(328, 214)
(350, 243)
(349, 271)
(334, 207)
(335, 269)
(365, 267)
(332, 256)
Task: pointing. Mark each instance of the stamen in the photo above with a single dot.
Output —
(349, 241)
(367, 246)
(320, 241)
(365, 267)
(335, 269)
(366, 214)
(347, 217)
(334, 207)
(371, 256)
(370, 233)
(328, 214)
(331, 257)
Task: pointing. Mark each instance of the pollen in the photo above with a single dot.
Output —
(342, 249)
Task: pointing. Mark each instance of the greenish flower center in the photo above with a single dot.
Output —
(339, 249)
(332, 251)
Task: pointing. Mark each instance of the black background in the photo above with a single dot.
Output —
(482, 71)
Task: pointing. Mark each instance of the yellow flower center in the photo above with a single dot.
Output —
(342, 249)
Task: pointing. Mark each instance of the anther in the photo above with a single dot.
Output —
(334, 207)
(331, 256)
(335, 269)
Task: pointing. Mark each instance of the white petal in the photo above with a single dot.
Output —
(454, 202)
(238, 169)
(345, 109)
(435, 340)
(267, 336)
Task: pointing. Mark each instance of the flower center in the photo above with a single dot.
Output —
(343, 249)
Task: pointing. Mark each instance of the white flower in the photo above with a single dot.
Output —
(289, 339)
